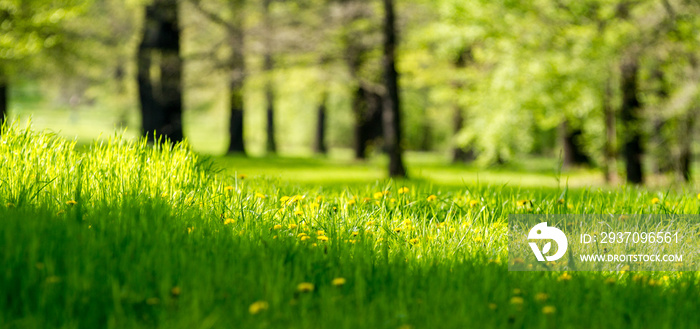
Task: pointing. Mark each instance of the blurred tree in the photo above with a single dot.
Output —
(391, 113)
(235, 39)
(268, 66)
(160, 94)
(29, 29)
(320, 137)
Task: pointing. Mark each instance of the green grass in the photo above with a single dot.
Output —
(129, 235)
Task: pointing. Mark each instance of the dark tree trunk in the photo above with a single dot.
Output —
(573, 155)
(661, 153)
(268, 66)
(630, 116)
(391, 113)
(610, 166)
(459, 154)
(367, 106)
(161, 101)
(236, 81)
(320, 144)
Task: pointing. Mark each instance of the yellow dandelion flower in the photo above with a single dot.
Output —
(292, 226)
(698, 196)
(338, 282)
(298, 212)
(277, 226)
(260, 195)
(321, 232)
(378, 195)
(392, 200)
(569, 206)
(305, 287)
(229, 221)
(452, 229)
(398, 229)
(301, 234)
(71, 202)
(541, 297)
(473, 203)
(355, 233)
(517, 300)
(478, 239)
(655, 200)
(258, 307)
(284, 199)
(365, 200)
(228, 188)
(304, 238)
(351, 202)
(432, 197)
(406, 190)
(322, 238)
(549, 309)
(414, 241)
(524, 203)
(564, 277)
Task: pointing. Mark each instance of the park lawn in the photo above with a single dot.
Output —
(127, 235)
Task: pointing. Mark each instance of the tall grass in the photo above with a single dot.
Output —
(130, 235)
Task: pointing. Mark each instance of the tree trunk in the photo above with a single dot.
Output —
(320, 144)
(459, 154)
(367, 106)
(573, 155)
(610, 166)
(630, 116)
(268, 66)
(391, 113)
(161, 100)
(236, 81)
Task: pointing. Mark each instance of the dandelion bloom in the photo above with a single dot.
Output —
(405, 190)
(338, 282)
(321, 232)
(277, 227)
(473, 203)
(305, 287)
(229, 221)
(414, 241)
(228, 188)
(298, 212)
(304, 238)
(242, 176)
(351, 202)
(432, 197)
(549, 309)
(517, 300)
(565, 277)
(258, 307)
(260, 195)
(71, 202)
(524, 203)
(655, 200)
(355, 233)
(292, 226)
(284, 199)
(322, 238)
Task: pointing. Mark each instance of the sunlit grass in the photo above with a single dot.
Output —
(127, 234)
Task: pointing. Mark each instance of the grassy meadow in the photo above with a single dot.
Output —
(122, 234)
